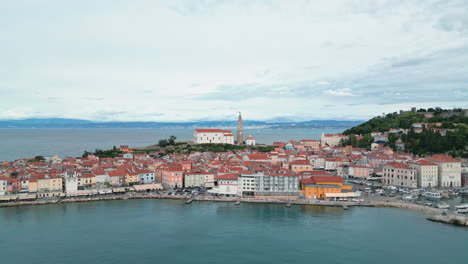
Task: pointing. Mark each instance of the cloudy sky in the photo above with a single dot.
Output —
(206, 60)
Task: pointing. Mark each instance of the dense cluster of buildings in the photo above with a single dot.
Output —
(306, 168)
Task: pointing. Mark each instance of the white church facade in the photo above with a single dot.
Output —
(213, 136)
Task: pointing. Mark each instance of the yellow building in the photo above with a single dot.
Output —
(131, 178)
(87, 180)
(317, 187)
(49, 184)
(32, 185)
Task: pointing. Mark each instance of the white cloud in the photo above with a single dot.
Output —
(182, 60)
(339, 92)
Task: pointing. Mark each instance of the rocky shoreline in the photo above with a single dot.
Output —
(435, 214)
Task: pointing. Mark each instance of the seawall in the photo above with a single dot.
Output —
(435, 214)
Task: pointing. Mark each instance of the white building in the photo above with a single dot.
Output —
(101, 176)
(199, 178)
(227, 184)
(71, 182)
(3, 186)
(250, 141)
(331, 140)
(449, 170)
(273, 184)
(146, 176)
(399, 174)
(213, 136)
(426, 173)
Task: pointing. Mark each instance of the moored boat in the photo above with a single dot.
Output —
(442, 206)
(462, 208)
(409, 197)
(432, 195)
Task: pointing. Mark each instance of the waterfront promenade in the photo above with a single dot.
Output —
(434, 214)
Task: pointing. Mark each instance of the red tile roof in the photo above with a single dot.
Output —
(211, 130)
(397, 165)
(442, 158)
(228, 176)
(321, 179)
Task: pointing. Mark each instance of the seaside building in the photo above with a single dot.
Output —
(146, 176)
(131, 178)
(3, 185)
(332, 140)
(227, 183)
(213, 136)
(70, 182)
(116, 177)
(449, 170)
(321, 187)
(426, 173)
(270, 185)
(172, 177)
(199, 178)
(49, 183)
(399, 174)
(240, 130)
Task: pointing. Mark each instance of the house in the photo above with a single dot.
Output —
(3, 185)
(116, 177)
(49, 183)
(227, 183)
(86, 180)
(300, 165)
(199, 178)
(321, 187)
(311, 144)
(357, 171)
(399, 174)
(146, 176)
(427, 173)
(101, 175)
(449, 170)
(131, 177)
(172, 177)
(332, 140)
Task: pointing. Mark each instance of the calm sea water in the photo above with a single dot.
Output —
(26, 143)
(165, 231)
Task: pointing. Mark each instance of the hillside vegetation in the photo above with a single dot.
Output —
(428, 141)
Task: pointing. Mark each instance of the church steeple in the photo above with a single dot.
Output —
(240, 130)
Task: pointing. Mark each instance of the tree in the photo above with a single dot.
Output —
(171, 140)
(39, 158)
(163, 143)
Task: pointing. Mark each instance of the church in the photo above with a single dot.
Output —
(219, 136)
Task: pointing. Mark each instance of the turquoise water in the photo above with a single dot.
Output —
(166, 231)
(26, 143)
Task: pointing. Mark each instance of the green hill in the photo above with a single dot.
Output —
(454, 123)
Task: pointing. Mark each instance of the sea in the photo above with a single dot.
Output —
(27, 143)
(170, 231)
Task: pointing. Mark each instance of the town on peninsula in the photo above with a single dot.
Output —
(416, 159)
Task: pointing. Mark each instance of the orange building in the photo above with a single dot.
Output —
(319, 186)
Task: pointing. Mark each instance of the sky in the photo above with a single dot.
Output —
(173, 60)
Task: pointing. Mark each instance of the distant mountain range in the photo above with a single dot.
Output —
(78, 123)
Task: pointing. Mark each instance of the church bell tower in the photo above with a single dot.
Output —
(240, 130)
